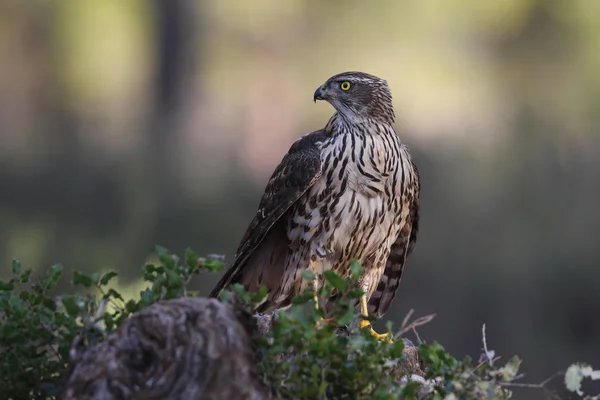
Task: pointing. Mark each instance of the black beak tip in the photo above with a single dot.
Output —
(319, 93)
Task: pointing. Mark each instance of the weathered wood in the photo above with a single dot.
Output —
(192, 348)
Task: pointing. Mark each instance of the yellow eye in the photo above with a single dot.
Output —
(345, 85)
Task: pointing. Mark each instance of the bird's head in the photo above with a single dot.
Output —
(357, 95)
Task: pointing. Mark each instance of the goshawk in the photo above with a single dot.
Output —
(349, 191)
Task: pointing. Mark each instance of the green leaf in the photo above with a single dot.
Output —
(191, 259)
(410, 389)
(158, 285)
(308, 275)
(82, 279)
(355, 269)
(575, 375)
(18, 306)
(53, 275)
(302, 298)
(259, 296)
(148, 296)
(72, 305)
(510, 370)
(107, 277)
(49, 303)
(335, 280)
(151, 272)
(305, 321)
(109, 322)
(7, 285)
(166, 258)
(347, 317)
(213, 265)
(355, 293)
(149, 268)
(114, 294)
(26, 296)
(25, 276)
(397, 348)
(381, 394)
(224, 296)
(162, 252)
(132, 306)
(16, 267)
(238, 289)
(573, 378)
(173, 279)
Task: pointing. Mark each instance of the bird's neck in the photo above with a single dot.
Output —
(340, 123)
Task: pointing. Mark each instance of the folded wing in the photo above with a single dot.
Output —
(261, 256)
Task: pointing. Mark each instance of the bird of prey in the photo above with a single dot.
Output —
(349, 191)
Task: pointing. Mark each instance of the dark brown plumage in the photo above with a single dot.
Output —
(348, 191)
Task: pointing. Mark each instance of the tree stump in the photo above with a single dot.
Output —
(183, 349)
(190, 348)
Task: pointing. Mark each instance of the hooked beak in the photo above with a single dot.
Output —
(319, 94)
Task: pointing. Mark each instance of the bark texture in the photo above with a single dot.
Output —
(192, 348)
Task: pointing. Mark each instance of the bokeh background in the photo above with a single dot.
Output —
(125, 124)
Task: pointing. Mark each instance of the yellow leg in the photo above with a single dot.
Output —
(322, 320)
(316, 301)
(315, 288)
(364, 311)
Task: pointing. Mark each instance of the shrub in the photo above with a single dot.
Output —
(297, 359)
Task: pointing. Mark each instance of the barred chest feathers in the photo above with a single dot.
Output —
(355, 210)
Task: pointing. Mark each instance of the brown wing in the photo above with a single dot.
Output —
(381, 300)
(260, 258)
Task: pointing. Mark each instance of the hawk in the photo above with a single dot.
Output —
(349, 191)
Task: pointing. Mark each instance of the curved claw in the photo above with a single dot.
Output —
(380, 336)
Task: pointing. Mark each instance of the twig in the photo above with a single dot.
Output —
(404, 328)
(488, 355)
(50, 344)
(112, 300)
(406, 318)
(483, 338)
(417, 335)
(484, 361)
(551, 377)
(541, 385)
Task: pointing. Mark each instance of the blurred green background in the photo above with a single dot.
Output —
(125, 124)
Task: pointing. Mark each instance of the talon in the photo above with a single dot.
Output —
(366, 323)
(380, 336)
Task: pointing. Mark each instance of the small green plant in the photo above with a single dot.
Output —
(37, 327)
(306, 362)
(34, 334)
(300, 357)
